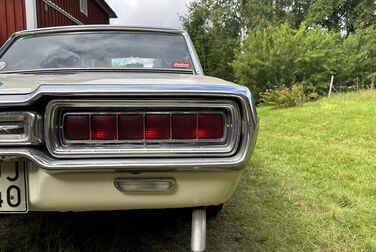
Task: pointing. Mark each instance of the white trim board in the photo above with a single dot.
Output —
(31, 14)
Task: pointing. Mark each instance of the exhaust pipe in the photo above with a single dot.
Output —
(198, 237)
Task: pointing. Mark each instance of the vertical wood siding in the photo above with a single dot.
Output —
(48, 16)
(12, 18)
(13, 15)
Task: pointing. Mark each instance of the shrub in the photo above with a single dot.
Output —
(284, 97)
(277, 56)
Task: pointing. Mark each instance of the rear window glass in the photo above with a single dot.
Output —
(98, 50)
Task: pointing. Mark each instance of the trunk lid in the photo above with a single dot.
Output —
(28, 83)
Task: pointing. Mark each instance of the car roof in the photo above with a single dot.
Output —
(84, 28)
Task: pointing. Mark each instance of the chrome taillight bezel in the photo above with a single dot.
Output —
(30, 124)
(61, 148)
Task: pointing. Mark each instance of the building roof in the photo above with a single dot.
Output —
(110, 12)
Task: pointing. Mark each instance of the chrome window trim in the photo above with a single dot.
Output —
(197, 67)
(194, 57)
(60, 149)
(32, 126)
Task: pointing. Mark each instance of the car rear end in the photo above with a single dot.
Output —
(127, 148)
(116, 118)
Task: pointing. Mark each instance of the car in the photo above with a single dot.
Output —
(116, 118)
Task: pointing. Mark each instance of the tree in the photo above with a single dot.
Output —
(287, 41)
(342, 15)
(215, 31)
(282, 56)
(259, 14)
(358, 60)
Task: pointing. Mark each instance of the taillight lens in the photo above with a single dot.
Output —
(210, 126)
(103, 127)
(184, 126)
(131, 127)
(144, 127)
(157, 126)
(77, 127)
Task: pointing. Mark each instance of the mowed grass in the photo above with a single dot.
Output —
(311, 186)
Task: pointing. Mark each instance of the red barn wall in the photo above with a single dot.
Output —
(12, 18)
(48, 16)
(13, 15)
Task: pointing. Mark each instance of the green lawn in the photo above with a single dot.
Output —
(311, 186)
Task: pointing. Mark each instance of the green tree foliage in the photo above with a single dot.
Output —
(259, 14)
(277, 56)
(358, 58)
(342, 15)
(286, 41)
(215, 32)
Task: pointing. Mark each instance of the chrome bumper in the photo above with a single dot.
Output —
(51, 164)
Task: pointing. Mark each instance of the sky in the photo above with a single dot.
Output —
(163, 13)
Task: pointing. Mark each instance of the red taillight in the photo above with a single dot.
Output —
(77, 127)
(144, 126)
(157, 127)
(210, 126)
(131, 127)
(184, 126)
(103, 127)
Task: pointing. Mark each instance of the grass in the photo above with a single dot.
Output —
(311, 186)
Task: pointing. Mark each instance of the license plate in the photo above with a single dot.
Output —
(13, 187)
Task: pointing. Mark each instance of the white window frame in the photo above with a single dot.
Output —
(84, 7)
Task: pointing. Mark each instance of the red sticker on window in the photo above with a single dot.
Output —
(181, 64)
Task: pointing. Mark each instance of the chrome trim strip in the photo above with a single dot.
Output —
(103, 28)
(83, 28)
(195, 60)
(9, 128)
(164, 90)
(131, 165)
(100, 69)
(60, 148)
(31, 123)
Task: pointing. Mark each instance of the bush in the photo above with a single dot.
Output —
(277, 56)
(282, 97)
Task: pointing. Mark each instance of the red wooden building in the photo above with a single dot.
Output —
(16, 15)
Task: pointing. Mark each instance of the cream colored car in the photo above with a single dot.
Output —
(110, 118)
